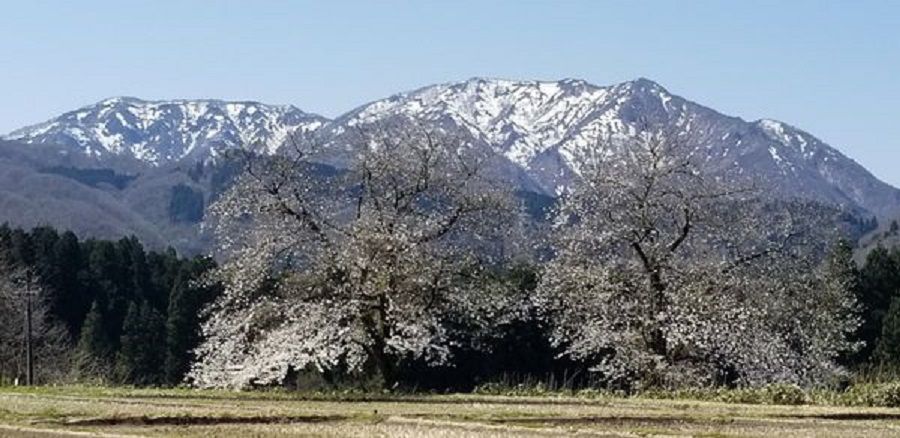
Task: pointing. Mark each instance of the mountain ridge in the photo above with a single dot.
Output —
(546, 128)
(164, 131)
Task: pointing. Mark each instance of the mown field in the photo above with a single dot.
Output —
(77, 411)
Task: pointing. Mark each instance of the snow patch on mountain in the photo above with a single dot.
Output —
(159, 132)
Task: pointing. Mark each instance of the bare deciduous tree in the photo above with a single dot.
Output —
(353, 268)
(49, 339)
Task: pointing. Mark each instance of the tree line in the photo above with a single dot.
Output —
(155, 346)
(106, 311)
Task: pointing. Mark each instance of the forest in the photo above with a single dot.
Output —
(103, 311)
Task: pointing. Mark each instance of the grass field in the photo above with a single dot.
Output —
(82, 411)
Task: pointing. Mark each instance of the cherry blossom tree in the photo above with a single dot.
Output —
(666, 276)
(353, 267)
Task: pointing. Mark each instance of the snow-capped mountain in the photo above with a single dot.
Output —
(549, 128)
(159, 132)
(544, 130)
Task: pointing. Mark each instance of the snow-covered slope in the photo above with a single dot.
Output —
(544, 130)
(549, 128)
(159, 132)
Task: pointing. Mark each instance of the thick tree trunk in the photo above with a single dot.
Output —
(657, 341)
(379, 330)
(383, 365)
(653, 333)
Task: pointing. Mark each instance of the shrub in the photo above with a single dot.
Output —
(873, 394)
(783, 394)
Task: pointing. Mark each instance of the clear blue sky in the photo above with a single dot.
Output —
(832, 68)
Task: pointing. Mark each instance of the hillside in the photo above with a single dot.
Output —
(126, 165)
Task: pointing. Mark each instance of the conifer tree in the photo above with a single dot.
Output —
(186, 302)
(140, 357)
(181, 327)
(93, 347)
(70, 300)
(888, 351)
(879, 281)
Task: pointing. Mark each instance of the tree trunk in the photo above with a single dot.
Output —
(378, 352)
(657, 341)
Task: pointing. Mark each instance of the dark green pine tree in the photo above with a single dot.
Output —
(71, 300)
(108, 272)
(94, 347)
(888, 351)
(141, 352)
(164, 268)
(181, 334)
(126, 359)
(21, 250)
(138, 271)
(186, 301)
(879, 281)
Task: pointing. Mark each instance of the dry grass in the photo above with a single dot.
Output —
(73, 411)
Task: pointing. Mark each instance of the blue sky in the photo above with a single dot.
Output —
(831, 68)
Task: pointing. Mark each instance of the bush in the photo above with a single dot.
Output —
(775, 394)
(782, 394)
(873, 394)
(518, 390)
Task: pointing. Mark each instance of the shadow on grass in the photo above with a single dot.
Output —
(848, 416)
(202, 421)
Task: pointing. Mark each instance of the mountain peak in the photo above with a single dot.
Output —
(115, 100)
(644, 85)
(164, 131)
(643, 82)
(522, 119)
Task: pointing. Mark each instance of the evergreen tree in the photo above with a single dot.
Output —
(20, 248)
(181, 328)
(93, 349)
(5, 235)
(70, 299)
(140, 358)
(186, 204)
(888, 350)
(164, 269)
(138, 283)
(879, 281)
(186, 302)
(110, 280)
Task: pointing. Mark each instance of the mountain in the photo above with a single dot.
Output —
(161, 132)
(163, 206)
(549, 128)
(34, 191)
(151, 165)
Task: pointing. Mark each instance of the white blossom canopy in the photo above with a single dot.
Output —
(347, 268)
(665, 276)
